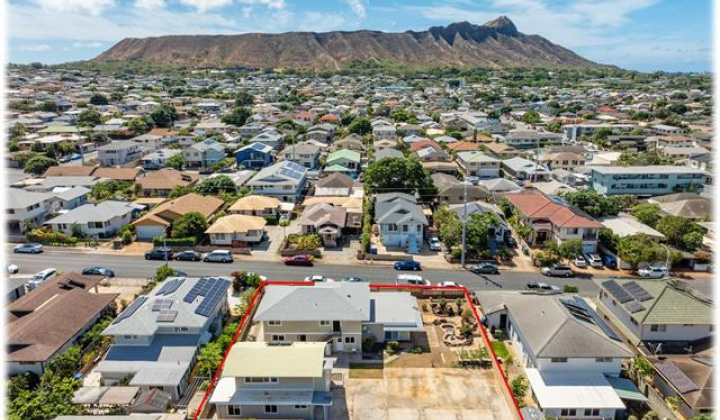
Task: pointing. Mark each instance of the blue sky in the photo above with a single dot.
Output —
(645, 35)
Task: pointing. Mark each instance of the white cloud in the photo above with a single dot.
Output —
(321, 22)
(94, 7)
(247, 11)
(149, 4)
(270, 4)
(93, 44)
(357, 7)
(204, 5)
(34, 47)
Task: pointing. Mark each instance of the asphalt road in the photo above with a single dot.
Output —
(137, 267)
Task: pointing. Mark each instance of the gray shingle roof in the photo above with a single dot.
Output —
(398, 208)
(323, 301)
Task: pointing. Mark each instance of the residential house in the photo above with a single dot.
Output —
(562, 160)
(272, 138)
(102, 220)
(551, 218)
(204, 154)
(431, 154)
(496, 233)
(657, 311)
(24, 208)
(343, 161)
(626, 142)
(388, 153)
(47, 321)
(351, 142)
(118, 174)
(119, 153)
(51, 183)
(704, 162)
(161, 183)
(691, 206)
(254, 156)
(571, 358)
(256, 205)
(624, 225)
(500, 186)
(401, 221)
(478, 164)
(326, 220)
(158, 159)
(453, 191)
(156, 339)
(154, 223)
(237, 229)
(305, 154)
(69, 198)
(523, 169)
(384, 132)
(337, 184)
(664, 129)
(384, 144)
(647, 180)
(264, 381)
(149, 141)
(450, 168)
(283, 180)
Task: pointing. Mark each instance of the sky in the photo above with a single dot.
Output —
(645, 35)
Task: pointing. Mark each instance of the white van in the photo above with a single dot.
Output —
(219, 255)
(41, 277)
(411, 279)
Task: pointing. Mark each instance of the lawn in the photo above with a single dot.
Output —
(366, 370)
(500, 350)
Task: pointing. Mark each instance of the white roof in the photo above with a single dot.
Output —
(573, 390)
(627, 226)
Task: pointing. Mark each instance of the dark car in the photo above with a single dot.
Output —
(304, 260)
(98, 271)
(159, 254)
(189, 255)
(485, 268)
(511, 242)
(609, 261)
(408, 265)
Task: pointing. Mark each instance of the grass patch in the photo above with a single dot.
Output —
(500, 350)
(366, 370)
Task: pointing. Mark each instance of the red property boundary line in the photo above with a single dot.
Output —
(253, 302)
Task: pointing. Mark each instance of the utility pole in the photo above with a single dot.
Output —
(80, 146)
(464, 224)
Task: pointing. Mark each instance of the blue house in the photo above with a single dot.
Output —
(254, 156)
(401, 221)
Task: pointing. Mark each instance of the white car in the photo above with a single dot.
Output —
(12, 269)
(41, 277)
(412, 280)
(653, 272)
(449, 284)
(434, 244)
(579, 261)
(318, 279)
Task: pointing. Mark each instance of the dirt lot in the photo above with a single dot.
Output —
(414, 394)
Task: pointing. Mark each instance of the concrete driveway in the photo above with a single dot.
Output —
(427, 394)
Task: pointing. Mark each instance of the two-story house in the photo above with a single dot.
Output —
(647, 180)
(453, 191)
(479, 164)
(204, 154)
(158, 159)
(305, 154)
(284, 180)
(563, 160)
(118, 153)
(552, 218)
(157, 337)
(401, 221)
(343, 161)
(25, 208)
(266, 381)
(524, 169)
(254, 156)
(571, 357)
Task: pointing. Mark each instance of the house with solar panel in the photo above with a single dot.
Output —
(571, 357)
(254, 156)
(284, 180)
(658, 312)
(157, 338)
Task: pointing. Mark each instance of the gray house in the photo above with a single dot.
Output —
(118, 153)
(401, 221)
(204, 154)
(284, 180)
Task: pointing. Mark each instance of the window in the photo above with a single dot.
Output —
(274, 322)
(301, 407)
(324, 323)
(278, 337)
(565, 412)
(349, 340)
(405, 228)
(558, 360)
(261, 380)
(271, 409)
(302, 338)
(596, 412)
(392, 227)
(234, 410)
(603, 359)
(658, 327)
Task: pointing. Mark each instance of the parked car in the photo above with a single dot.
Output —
(540, 286)
(449, 284)
(473, 180)
(485, 268)
(610, 261)
(41, 277)
(410, 265)
(594, 260)
(412, 280)
(511, 242)
(178, 273)
(159, 254)
(98, 271)
(28, 248)
(434, 244)
(302, 259)
(579, 261)
(188, 255)
(354, 280)
(12, 269)
(557, 270)
(75, 156)
(65, 159)
(317, 278)
(653, 272)
(219, 255)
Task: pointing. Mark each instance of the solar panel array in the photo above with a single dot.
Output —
(618, 292)
(167, 316)
(162, 305)
(637, 291)
(634, 307)
(170, 287)
(202, 286)
(217, 291)
(131, 309)
(677, 377)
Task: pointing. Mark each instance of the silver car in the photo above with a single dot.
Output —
(219, 256)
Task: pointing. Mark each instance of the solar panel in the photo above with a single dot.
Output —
(634, 307)
(677, 377)
(200, 288)
(618, 292)
(137, 303)
(212, 297)
(167, 316)
(637, 291)
(162, 305)
(170, 287)
(580, 303)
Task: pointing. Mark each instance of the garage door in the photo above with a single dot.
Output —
(148, 232)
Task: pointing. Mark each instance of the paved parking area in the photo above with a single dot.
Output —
(420, 394)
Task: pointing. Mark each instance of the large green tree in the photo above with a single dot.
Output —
(89, 118)
(164, 116)
(192, 224)
(98, 99)
(399, 175)
(647, 213)
(592, 203)
(360, 126)
(238, 116)
(38, 165)
(531, 117)
(676, 229)
(216, 185)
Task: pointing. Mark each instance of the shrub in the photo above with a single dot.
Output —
(392, 347)
(127, 237)
(158, 242)
(271, 220)
(570, 289)
(417, 350)
(51, 238)
(368, 344)
(163, 272)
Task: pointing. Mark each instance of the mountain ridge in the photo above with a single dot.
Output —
(497, 43)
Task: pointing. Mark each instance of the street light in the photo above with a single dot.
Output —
(464, 223)
(667, 261)
(165, 244)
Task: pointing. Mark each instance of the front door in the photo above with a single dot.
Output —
(503, 321)
(338, 344)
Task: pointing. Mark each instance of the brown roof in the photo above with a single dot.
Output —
(163, 132)
(237, 223)
(118, 174)
(501, 148)
(255, 202)
(463, 146)
(167, 179)
(70, 171)
(43, 321)
(322, 214)
(170, 210)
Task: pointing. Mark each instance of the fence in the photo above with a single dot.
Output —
(126, 281)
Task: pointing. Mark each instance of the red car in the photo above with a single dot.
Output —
(304, 260)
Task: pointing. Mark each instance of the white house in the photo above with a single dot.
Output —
(234, 228)
(101, 220)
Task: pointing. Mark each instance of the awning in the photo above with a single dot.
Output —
(626, 389)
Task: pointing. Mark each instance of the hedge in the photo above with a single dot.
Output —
(158, 242)
(51, 238)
